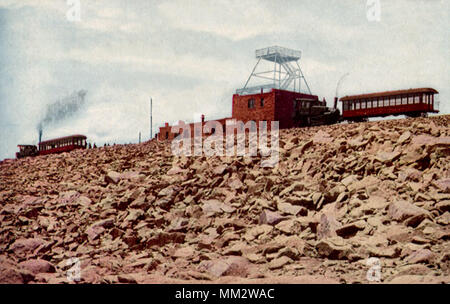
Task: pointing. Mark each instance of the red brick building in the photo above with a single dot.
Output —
(275, 105)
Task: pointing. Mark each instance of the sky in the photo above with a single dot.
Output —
(190, 56)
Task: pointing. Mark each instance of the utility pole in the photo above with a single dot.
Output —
(151, 130)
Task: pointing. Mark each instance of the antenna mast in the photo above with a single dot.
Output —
(151, 130)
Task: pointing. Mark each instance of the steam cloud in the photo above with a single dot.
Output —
(62, 110)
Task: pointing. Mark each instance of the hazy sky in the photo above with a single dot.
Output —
(190, 56)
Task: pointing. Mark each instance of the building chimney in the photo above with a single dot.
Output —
(335, 102)
(203, 118)
(166, 124)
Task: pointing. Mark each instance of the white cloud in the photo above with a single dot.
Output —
(233, 19)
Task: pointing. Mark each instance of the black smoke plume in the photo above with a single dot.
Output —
(61, 110)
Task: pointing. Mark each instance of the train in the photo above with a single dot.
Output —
(57, 145)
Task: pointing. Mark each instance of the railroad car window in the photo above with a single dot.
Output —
(356, 105)
(369, 104)
(416, 99)
(363, 104)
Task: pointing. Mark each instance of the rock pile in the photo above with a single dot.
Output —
(339, 195)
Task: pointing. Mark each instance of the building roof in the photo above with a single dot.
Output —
(389, 93)
(61, 138)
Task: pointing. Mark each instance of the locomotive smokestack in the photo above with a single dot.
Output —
(335, 102)
(40, 128)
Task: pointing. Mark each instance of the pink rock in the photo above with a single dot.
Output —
(36, 266)
(233, 266)
(235, 183)
(93, 232)
(327, 226)
(112, 177)
(443, 184)
(270, 217)
(175, 171)
(421, 256)
(184, 252)
(404, 211)
(24, 246)
(322, 137)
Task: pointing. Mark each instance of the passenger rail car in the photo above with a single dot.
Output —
(412, 102)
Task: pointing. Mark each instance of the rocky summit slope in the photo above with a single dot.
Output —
(135, 213)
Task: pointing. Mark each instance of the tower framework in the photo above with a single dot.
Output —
(285, 75)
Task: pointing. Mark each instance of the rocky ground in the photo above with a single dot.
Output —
(135, 213)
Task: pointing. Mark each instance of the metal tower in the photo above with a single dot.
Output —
(285, 75)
